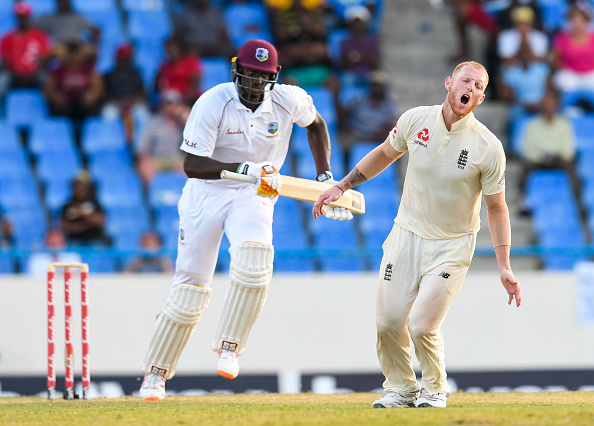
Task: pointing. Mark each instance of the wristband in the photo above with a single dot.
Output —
(499, 245)
(336, 186)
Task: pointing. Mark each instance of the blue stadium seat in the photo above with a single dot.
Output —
(585, 164)
(122, 189)
(330, 235)
(29, 225)
(101, 263)
(584, 131)
(103, 165)
(168, 229)
(553, 13)
(518, 133)
(144, 5)
(58, 166)
(215, 71)
(19, 192)
(52, 135)
(25, 107)
(155, 20)
(14, 164)
(335, 38)
(148, 60)
(103, 135)
(42, 7)
(86, 6)
(324, 101)
(7, 265)
(166, 188)
(10, 141)
(56, 194)
(306, 167)
(125, 224)
(246, 22)
(570, 238)
(545, 185)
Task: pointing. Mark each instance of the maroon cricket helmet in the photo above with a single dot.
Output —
(258, 55)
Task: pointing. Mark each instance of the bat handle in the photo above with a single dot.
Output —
(226, 174)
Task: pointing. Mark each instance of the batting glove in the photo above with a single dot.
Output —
(269, 181)
(338, 213)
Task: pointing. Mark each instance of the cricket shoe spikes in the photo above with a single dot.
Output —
(394, 400)
(228, 365)
(153, 387)
(437, 400)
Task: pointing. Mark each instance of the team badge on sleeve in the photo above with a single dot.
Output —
(261, 54)
(272, 127)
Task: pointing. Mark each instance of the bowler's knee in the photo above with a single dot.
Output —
(390, 323)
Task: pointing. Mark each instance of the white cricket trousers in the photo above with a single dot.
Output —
(205, 212)
(418, 282)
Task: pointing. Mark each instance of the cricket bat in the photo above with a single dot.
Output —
(307, 190)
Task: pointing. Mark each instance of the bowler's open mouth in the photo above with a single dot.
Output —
(464, 99)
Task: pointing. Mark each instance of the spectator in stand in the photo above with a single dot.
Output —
(162, 137)
(152, 260)
(370, 117)
(469, 12)
(523, 32)
(301, 38)
(25, 52)
(83, 218)
(74, 89)
(524, 85)
(66, 26)
(202, 27)
(124, 91)
(549, 143)
(360, 52)
(55, 251)
(572, 54)
(181, 71)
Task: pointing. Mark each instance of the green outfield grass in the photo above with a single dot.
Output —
(567, 408)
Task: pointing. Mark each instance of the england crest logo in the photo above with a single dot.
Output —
(261, 54)
(272, 127)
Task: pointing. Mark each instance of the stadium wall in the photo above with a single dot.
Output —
(312, 323)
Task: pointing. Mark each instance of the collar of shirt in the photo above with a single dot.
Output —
(460, 125)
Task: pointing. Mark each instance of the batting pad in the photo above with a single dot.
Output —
(175, 324)
(250, 273)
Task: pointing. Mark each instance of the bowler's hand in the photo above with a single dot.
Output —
(328, 196)
(512, 286)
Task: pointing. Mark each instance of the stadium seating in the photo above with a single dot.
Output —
(122, 189)
(102, 135)
(140, 20)
(246, 22)
(215, 71)
(10, 139)
(25, 106)
(41, 7)
(51, 135)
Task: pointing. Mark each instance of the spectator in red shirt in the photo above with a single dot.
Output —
(180, 72)
(24, 51)
(74, 88)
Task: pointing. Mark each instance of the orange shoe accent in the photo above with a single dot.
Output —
(153, 398)
(225, 374)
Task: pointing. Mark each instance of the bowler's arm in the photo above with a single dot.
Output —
(500, 229)
(370, 166)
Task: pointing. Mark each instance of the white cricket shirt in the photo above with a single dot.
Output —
(447, 171)
(222, 128)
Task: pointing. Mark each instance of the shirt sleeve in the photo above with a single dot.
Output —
(493, 170)
(303, 111)
(202, 127)
(398, 133)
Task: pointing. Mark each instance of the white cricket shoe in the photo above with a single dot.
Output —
(394, 400)
(153, 387)
(228, 365)
(437, 400)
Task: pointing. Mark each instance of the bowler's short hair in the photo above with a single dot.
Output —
(474, 64)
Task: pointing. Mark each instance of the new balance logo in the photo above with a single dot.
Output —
(444, 275)
(463, 159)
(388, 272)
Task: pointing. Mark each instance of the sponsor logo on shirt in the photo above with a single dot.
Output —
(234, 132)
(463, 159)
(422, 138)
(502, 179)
(388, 272)
(190, 144)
